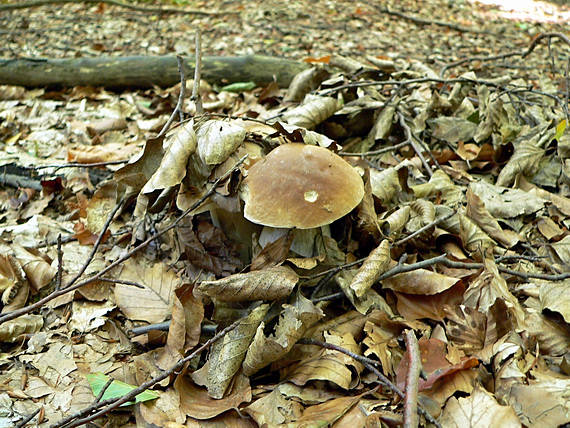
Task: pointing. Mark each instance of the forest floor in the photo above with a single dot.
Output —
(455, 115)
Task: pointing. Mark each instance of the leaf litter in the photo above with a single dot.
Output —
(461, 236)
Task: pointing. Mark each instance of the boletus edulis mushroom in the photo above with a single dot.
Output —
(301, 186)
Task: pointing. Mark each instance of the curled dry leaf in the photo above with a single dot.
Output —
(13, 330)
(196, 403)
(420, 281)
(312, 111)
(269, 284)
(179, 146)
(294, 321)
(325, 364)
(228, 353)
(396, 221)
(477, 212)
(377, 262)
(217, 140)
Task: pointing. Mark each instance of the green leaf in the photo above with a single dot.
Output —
(239, 87)
(117, 389)
(560, 128)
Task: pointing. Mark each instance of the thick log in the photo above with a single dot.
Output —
(144, 71)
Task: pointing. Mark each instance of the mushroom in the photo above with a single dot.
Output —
(301, 186)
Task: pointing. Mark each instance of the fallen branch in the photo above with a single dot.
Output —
(145, 71)
(412, 379)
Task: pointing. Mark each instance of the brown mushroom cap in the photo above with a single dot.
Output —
(302, 186)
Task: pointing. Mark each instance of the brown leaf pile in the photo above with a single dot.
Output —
(462, 236)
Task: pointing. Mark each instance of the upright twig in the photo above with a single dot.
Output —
(113, 403)
(27, 309)
(370, 365)
(197, 71)
(180, 102)
(412, 379)
(59, 263)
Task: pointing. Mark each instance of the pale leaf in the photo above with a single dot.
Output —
(480, 409)
(375, 264)
(269, 284)
(311, 112)
(180, 145)
(151, 303)
(294, 321)
(217, 140)
(228, 353)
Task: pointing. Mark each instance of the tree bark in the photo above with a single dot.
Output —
(144, 71)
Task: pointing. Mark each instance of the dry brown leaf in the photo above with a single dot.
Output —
(228, 353)
(217, 140)
(196, 403)
(269, 284)
(273, 253)
(417, 306)
(475, 240)
(477, 212)
(153, 302)
(554, 296)
(274, 409)
(172, 169)
(184, 331)
(419, 281)
(395, 222)
(328, 412)
(294, 321)
(480, 409)
(102, 153)
(377, 262)
(324, 364)
(490, 286)
(311, 112)
(141, 168)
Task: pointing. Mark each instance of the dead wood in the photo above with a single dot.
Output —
(144, 71)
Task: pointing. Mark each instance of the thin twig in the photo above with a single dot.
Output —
(122, 281)
(105, 387)
(59, 263)
(423, 229)
(37, 3)
(422, 21)
(377, 152)
(80, 165)
(113, 403)
(180, 102)
(410, 138)
(522, 54)
(197, 70)
(412, 379)
(161, 326)
(97, 243)
(27, 309)
(370, 365)
(28, 418)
